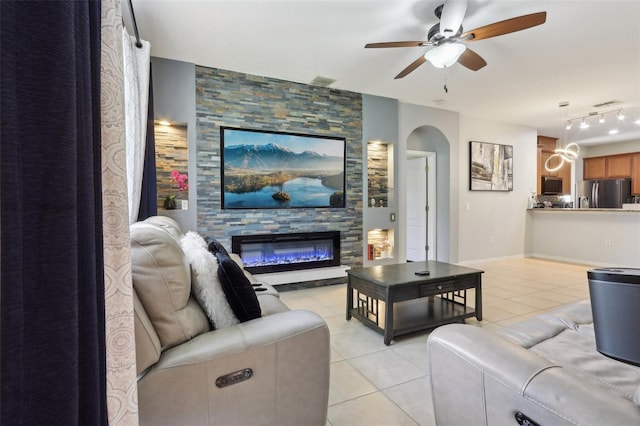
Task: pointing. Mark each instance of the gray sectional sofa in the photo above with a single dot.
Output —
(545, 371)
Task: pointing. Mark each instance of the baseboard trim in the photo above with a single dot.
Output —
(491, 259)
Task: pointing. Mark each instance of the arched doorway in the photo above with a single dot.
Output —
(428, 194)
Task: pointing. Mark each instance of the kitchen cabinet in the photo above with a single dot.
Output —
(609, 167)
(618, 166)
(594, 168)
(553, 163)
(546, 148)
(565, 174)
(635, 173)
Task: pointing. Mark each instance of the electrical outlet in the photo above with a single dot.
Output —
(607, 242)
(492, 239)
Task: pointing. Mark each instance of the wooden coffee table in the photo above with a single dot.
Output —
(412, 302)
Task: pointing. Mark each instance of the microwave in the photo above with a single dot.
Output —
(551, 185)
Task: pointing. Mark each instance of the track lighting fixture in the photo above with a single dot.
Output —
(583, 123)
(584, 119)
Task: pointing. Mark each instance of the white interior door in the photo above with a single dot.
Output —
(431, 205)
(416, 209)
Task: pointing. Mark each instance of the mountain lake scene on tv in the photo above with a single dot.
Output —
(273, 170)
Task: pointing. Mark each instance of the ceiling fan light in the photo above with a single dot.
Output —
(601, 119)
(620, 115)
(445, 55)
(569, 125)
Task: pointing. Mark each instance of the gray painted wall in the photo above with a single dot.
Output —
(411, 118)
(380, 122)
(430, 139)
(174, 99)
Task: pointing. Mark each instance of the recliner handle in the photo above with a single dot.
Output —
(233, 378)
(524, 420)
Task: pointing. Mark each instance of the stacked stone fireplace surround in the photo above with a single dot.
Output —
(231, 99)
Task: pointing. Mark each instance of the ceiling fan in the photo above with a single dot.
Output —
(448, 39)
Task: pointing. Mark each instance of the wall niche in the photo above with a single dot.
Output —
(172, 153)
(379, 174)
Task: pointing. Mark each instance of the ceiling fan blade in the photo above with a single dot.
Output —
(505, 27)
(471, 60)
(415, 64)
(398, 44)
(451, 18)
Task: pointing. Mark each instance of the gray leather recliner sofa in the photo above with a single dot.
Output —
(183, 365)
(545, 370)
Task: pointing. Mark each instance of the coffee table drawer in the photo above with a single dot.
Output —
(437, 288)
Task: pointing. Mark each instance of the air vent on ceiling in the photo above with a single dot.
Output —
(322, 81)
(607, 104)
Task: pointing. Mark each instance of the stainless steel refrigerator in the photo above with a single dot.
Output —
(605, 193)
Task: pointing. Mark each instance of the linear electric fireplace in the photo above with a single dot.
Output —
(287, 252)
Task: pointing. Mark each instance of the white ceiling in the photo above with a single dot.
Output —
(587, 52)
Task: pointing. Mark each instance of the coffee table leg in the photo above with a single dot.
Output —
(479, 300)
(349, 300)
(388, 323)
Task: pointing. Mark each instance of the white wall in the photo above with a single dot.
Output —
(598, 237)
(494, 224)
(609, 149)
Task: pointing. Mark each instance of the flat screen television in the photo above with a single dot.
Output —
(275, 170)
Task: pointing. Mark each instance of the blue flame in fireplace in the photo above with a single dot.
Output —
(271, 254)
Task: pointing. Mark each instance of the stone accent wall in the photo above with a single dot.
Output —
(378, 173)
(227, 98)
(171, 154)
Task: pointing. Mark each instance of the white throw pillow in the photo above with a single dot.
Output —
(205, 285)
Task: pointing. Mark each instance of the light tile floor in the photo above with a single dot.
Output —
(374, 384)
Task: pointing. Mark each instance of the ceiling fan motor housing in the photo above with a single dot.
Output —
(435, 37)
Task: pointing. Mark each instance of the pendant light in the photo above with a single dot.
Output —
(564, 152)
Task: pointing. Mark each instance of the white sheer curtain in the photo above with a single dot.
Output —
(136, 100)
(122, 389)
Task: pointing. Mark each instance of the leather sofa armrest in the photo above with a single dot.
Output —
(239, 338)
(479, 377)
(288, 352)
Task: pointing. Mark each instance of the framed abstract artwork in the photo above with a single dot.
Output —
(490, 167)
